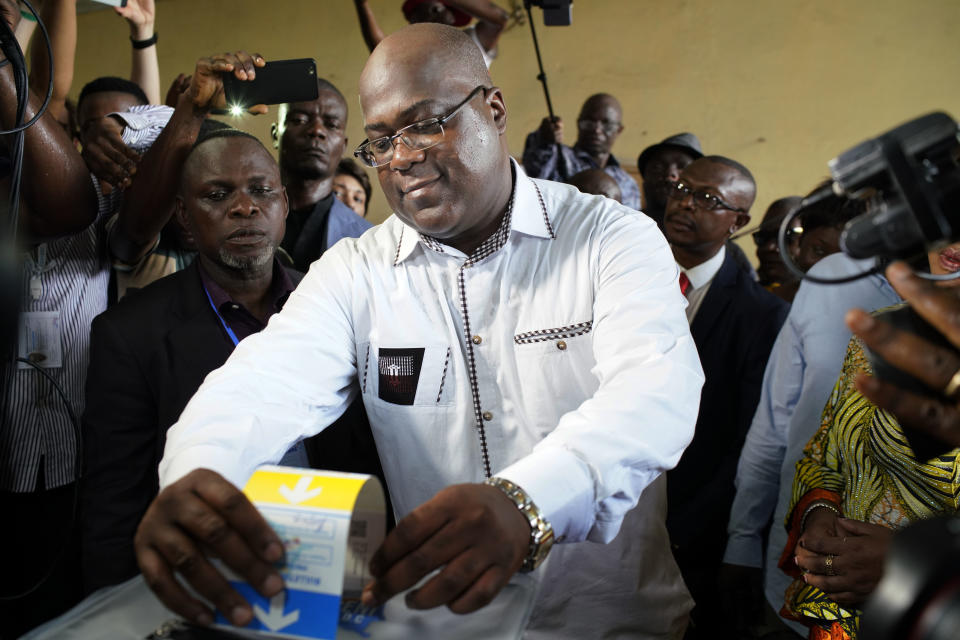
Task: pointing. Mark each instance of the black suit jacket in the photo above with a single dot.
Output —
(734, 330)
(148, 355)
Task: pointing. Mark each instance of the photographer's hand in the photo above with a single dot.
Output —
(206, 86)
(934, 366)
(551, 131)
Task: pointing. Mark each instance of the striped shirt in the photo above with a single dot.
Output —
(74, 277)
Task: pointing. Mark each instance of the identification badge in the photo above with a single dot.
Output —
(40, 340)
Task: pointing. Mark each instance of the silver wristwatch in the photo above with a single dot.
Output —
(541, 532)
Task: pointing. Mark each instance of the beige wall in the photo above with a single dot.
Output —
(780, 86)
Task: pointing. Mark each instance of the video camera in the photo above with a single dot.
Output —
(912, 173)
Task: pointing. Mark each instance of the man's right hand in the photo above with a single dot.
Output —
(201, 514)
(206, 85)
(551, 131)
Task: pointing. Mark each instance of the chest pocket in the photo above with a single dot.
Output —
(405, 375)
(554, 366)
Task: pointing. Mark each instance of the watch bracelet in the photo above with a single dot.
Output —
(541, 531)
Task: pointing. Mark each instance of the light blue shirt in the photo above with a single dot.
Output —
(802, 370)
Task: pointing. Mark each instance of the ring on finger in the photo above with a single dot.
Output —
(828, 563)
(953, 386)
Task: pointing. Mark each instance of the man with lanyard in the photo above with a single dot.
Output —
(548, 380)
(150, 353)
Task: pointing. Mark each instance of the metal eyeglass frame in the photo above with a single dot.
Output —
(362, 151)
(707, 201)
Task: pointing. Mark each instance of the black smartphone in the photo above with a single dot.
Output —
(925, 447)
(276, 82)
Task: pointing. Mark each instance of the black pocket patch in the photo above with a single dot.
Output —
(399, 374)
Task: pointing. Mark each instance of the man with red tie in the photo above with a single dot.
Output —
(734, 322)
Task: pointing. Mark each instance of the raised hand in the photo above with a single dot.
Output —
(206, 85)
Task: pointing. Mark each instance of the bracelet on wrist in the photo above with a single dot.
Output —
(143, 44)
(816, 505)
(541, 532)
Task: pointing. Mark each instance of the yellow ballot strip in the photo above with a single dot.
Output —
(330, 524)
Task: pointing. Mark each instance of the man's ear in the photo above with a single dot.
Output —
(498, 108)
(275, 135)
(743, 219)
(286, 202)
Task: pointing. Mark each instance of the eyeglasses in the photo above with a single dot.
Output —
(609, 128)
(702, 199)
(417, 136)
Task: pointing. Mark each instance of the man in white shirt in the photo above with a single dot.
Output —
(734, 323)
(501, 332)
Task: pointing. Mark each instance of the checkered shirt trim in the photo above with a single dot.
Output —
(366, 365)
(396, 258)
(432, 243)
(544, 335)
(472, 371)
(543, 208)
(443, 378)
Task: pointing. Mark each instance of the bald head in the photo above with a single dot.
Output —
(599, 124)
(452, 181)
(598, 182)
(426, 51)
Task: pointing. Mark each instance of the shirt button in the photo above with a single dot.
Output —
(487, 416)
(561, 345)
(234, 306)
(477, 339)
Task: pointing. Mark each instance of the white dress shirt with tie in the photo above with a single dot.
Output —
(701, 276)
(556, 356)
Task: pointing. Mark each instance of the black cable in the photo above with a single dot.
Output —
(795, 270)
(78, 461)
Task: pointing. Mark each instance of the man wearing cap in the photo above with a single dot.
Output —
(599, 124)
(660, 166)
(491, 20)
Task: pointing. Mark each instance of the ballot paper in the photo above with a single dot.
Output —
(330, 524)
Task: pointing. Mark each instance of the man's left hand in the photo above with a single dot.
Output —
(858, 552)
(473, 531)
(107, 157)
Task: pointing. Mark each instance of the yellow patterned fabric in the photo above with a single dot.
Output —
(860, 454)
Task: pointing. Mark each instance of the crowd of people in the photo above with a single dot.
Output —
(595, 384)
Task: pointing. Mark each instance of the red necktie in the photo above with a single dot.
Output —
(684, 283)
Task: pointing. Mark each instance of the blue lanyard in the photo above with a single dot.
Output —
(229, 331)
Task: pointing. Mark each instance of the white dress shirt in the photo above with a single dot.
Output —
(700, 278)
(556, 356)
